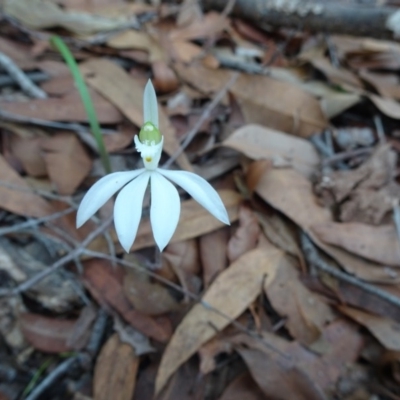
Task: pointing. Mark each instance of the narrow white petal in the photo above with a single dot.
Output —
(128, 210)
(101, 192)
(165, 209)
(200, 190)
(150, 105)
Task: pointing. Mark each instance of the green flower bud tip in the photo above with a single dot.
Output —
(149, 134)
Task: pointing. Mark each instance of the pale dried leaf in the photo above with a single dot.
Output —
(376, 243)
(115, 371)
(384, 329)
(306, 313)
(17, 197)
(68, 108)
(241, 284)
(66, 160)
(246, 236)
(39, 14)
(47, 334)
(264, 100)
(258, 142)
(280, 381)
(292, 194)
(213, 254)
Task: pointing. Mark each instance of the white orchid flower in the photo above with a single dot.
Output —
(165, 202)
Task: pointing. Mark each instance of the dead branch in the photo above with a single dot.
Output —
(19, 76)
(318, 16)
(313, 258)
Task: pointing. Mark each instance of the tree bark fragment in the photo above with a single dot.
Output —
(350, 18)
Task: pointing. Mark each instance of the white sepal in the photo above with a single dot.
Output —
(200, 190)
(128, 210)
(165, 209)
(101, 192)
(150, 105)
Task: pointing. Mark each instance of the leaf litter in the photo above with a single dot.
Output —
(298, 299)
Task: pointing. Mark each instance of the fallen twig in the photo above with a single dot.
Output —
(312, 257)
(83, 132)
(34, 222)
(205, 114)
(36, 77)
(21, 78)
(59, 371)
(58, 264)
(318, 16)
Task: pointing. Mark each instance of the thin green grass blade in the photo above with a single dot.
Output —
(69, 59)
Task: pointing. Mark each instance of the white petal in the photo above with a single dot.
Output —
(200, 190)
(165, 209)
(101, 192)
(128, 210)
(150, 105)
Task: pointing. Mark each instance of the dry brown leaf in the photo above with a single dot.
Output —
(254, 172)
(46, 334)
(127, 94)
(189, 12)
(120, 139)
(105, 284)
(246, 236)
(292, 194)
(39, 14)
(184, 385)
(387, 106)
(343, 344)
(17, 197)
(183, 51)
(279, 381)
(387, 84)
(365, 194)
(27, 152)
(258, 142)
(282, 233)
(66, 160)
(306, 313)
(336, 75)
(213, 254)
(183, 259)
(149, 298)
(376, 243)
(242, 387)
(115, 371)
(131, 39)
(384, 329)
(194, 221)
(265, 101)
(68, 108)
(231, 293)
(164, 78)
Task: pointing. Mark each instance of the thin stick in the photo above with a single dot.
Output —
(311, 255)
(58, 264)
(205, 114)
(36, 77)
(21, 78)
(59, 371)
(34, 222)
